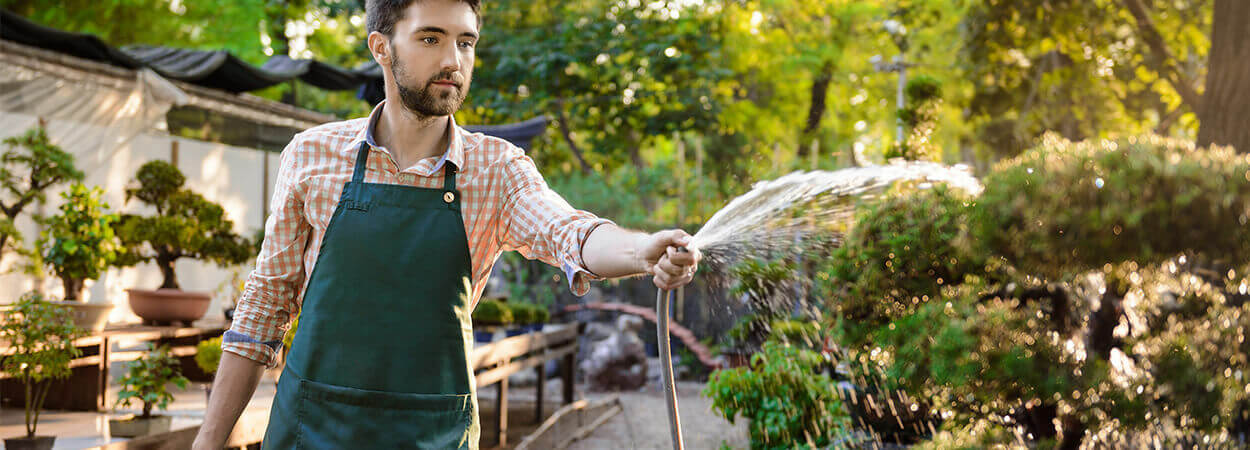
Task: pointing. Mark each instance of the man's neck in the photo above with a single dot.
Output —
(411, 137)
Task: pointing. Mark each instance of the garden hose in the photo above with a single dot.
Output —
(663, 298)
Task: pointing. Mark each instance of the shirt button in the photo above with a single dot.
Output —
(449, 197)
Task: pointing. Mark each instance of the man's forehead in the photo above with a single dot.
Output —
(455, 17)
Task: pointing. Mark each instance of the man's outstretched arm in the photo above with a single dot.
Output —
(233, 387)
(611, 252)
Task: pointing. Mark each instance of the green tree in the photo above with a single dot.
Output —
(30, 165)
(40, 337)
(79, 242)
(185, 225)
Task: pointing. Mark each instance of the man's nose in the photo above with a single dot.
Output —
(450, 60)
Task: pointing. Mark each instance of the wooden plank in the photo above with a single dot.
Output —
(129, 355)
(491, 376)
(503, 350)
(576, 420)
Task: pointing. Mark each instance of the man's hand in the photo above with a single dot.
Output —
(672, 267)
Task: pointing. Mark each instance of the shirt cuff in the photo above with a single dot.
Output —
(574, 265)
(265, 353)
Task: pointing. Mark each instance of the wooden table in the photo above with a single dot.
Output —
(87, 387)
(494, 362)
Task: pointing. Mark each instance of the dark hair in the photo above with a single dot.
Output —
(381, 15)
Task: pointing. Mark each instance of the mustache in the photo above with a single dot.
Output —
(447, 77)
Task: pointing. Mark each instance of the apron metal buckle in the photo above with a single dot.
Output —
(449, 197)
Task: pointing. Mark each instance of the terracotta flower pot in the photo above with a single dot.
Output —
(164, 306)
(88, 316)
(134, 426)
(35, 443)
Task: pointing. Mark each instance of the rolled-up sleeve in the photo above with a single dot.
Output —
(540, 224)
(264, 311)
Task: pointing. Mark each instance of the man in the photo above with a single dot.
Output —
(387, 228)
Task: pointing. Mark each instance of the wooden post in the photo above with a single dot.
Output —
(815, 150)
(567, 377)
(501, 413)
(542, 383)
(173, 152)
(698, 168)
(681, 178)
(102, 395)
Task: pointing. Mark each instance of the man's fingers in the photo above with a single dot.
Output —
(668, 267)
(686, 258)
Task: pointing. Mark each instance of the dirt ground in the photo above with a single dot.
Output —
(642, 425)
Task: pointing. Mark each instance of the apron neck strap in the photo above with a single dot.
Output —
(449, 176)
(362, 160)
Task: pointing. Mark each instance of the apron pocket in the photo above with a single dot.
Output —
(337, 417)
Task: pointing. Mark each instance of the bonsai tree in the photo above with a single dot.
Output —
(523, 313)
(146, 381)
(185, 225)
(208, 354)
(30, 165)
(492, 312)
(79, 243)
(1093, 295)
(41, 336)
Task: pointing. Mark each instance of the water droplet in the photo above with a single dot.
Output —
(1098, 182)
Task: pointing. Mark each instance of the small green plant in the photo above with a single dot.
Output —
(79, 243)
(789, 403)
(40, 337)
(492, 312)
(524, 313)
(208, 354)
(186, 225)
(28, 167)
(147, 379)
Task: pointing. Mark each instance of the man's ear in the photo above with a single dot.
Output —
(380, 47)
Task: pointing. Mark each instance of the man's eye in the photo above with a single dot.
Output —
(429, 40)
(466, 44)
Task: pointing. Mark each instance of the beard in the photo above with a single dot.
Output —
(422, 99)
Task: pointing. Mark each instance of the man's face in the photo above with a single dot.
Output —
(432, 54)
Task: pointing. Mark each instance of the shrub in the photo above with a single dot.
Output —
(788, 403)
(492, 312)
(208, 354)
(1112, 307)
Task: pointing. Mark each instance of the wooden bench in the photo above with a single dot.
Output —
(492, 364)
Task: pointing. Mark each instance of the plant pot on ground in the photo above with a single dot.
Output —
(186, 225)
(79, 244)
(146, 381)
(41, 338)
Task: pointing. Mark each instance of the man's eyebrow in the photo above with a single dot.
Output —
(433, 29)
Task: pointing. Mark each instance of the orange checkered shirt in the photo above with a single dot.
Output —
(506, 205)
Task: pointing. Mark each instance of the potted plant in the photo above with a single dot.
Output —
(41, 337)
(79, 245)
(207, 357)
(523, 314)
(488, 315)
(186, 225)
(145, 381)
(30, 164)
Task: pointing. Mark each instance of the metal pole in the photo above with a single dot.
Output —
(902, 81)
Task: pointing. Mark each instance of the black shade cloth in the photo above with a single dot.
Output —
(17, 29)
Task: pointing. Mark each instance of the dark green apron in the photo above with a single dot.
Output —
(380, 359)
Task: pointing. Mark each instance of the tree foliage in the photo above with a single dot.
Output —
(40, 337)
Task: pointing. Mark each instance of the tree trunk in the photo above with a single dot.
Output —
(73, 288)
(563, 122)
(167, 272)
(1224, 118)
(816, 110)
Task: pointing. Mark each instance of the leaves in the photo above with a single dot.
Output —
(147, 379)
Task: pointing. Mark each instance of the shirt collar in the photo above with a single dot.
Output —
(455, 147)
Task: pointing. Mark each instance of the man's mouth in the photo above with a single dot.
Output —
(447, 83)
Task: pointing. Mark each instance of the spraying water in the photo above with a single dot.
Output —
(777, 218)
